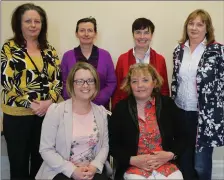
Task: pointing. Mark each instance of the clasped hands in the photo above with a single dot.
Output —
(84, 172)
(40, 107)
(150, 162)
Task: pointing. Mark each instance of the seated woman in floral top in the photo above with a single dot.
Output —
(145, 135)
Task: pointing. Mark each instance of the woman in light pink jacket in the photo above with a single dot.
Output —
(74, 138)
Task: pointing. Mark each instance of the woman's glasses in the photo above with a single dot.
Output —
(81, 82)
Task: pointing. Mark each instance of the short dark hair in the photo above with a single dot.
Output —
(85, 20)
(16, 23)
(142, 23)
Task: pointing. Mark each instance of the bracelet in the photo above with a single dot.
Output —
(174, 157)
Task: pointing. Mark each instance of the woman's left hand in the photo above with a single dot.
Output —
(159, 158)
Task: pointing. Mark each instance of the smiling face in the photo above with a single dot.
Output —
(84, 90)
(142, 85)
(142, 38)
(86, 33)
(196, 29)
(31, 24)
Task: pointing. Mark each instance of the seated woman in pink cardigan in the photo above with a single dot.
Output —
(74, 138)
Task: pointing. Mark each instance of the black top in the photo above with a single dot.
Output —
(124, 131)
(93, 59)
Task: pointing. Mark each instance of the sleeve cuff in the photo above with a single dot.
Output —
(69, 171)
(98, 166)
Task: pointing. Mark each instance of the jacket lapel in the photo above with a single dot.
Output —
(131, 58)
(158, 112)
(132, 107)
(152, 59)
(68, 124)
(98, 117)
(180, 58)
(158, 106)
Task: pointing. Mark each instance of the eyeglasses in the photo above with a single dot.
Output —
(81, 82)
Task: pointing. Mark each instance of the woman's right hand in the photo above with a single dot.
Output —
(40, 107)
(80, 173)
(35, 108)
(141, 161)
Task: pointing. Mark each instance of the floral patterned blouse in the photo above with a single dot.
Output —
(22, 81)
(210, 94)
(85, 138)
(149, 141)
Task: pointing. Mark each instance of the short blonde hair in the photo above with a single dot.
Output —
(145, 69)
(70, 79)
(206, 18)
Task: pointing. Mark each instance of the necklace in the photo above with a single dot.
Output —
(141, 106)
(141, 110)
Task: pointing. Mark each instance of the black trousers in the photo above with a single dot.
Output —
(189, 120)
(22, 135)
(96, 177)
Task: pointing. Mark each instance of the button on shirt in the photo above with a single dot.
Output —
(187, 91)
(145, 59)
(150, 141)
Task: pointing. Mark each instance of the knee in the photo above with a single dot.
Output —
(203, 171)
(199, 169)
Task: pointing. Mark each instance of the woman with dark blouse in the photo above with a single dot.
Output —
(100, 59)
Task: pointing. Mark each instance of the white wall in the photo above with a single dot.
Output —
(114, 24)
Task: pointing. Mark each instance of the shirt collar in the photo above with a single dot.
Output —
(147, 53)
(202, 43)
(151, 103)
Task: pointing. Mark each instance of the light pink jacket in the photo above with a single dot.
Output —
(56, 139)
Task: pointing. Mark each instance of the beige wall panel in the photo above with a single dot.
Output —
(114, 24)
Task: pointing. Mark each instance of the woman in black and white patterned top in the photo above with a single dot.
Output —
(197, 88)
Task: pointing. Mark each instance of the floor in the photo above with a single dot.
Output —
(218, 165)
(4, 160)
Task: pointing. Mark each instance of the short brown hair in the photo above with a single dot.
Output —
(85, 20)
(145, 69)
(206, 18)
(70, 79)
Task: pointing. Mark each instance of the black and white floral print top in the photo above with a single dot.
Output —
(210, 93)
